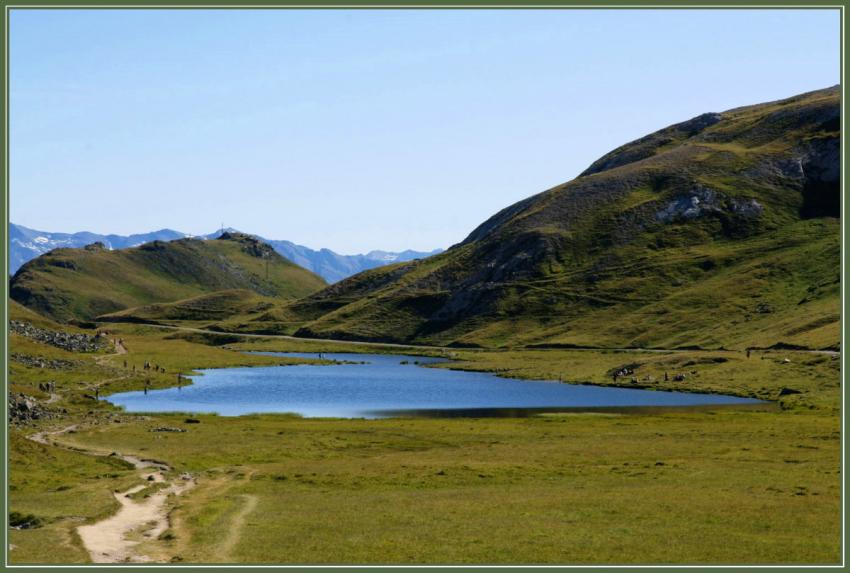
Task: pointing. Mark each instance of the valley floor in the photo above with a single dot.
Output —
(709, 486)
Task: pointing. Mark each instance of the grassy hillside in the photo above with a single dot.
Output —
(81, 284)
(202, 308)
(720, 231)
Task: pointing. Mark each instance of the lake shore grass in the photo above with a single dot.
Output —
(714, 486)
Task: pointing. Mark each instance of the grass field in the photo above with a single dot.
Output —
(708, 487)
(717, 486)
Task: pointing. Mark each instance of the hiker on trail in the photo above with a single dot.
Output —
(666, 378)
(748, 352)
(134, 367)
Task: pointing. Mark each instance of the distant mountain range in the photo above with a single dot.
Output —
(26, 244)
(216, 277)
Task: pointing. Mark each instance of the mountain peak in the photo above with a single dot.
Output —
(250, 244)
(95, 247)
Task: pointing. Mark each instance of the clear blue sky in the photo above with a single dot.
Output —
(359, 130)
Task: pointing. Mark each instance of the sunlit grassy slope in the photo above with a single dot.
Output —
(206, 307)
(720, 231)
(81, 284)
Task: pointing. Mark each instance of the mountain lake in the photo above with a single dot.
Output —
(382, 385)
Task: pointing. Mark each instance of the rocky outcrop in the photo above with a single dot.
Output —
(821, 166)
(24, 409)
(250, 244)
(95, 247)
(703, 201)
(64, 340)
(40, 362)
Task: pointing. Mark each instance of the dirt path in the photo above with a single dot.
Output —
(235, 532)
(42, 437)
(448, 348)
(297, 339)
(113, 540)
(119, 348)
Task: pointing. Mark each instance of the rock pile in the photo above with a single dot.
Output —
(39, 362)
(63, 340)
(24, 409)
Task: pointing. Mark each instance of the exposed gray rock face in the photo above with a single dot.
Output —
(703, 201)
(63, 340)
(24, 409)
(778, 170)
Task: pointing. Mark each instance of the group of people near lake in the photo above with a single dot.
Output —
(154, 367)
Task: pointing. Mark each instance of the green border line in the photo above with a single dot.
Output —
(400, 5)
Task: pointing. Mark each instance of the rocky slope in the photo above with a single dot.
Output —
(719, 231)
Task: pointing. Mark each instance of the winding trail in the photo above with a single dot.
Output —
(449, 348)
(296, 338)
(110, 540)
(119, 349)
(113, 540)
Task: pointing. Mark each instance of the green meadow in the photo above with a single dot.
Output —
(710, 485)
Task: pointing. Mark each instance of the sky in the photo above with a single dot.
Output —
(362, 129)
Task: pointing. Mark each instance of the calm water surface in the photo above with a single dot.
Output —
(384, 387)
